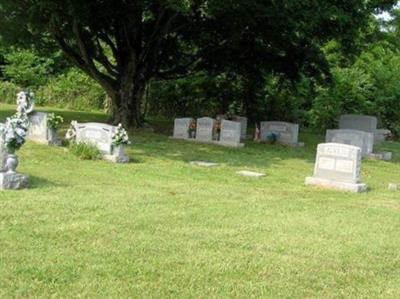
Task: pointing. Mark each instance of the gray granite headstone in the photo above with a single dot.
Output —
(338, 166)
(181, 128)
(287, 133)
(362, 139)
(38, 130)
(358, 122)
(204, 130)
(230, 133)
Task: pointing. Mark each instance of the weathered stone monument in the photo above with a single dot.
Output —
(363, 123)
(181, 128)
(204, 129)
(101, 136)
(39, 130)
(286, 133)
(231, 133)
(338, 166)
(362, 139)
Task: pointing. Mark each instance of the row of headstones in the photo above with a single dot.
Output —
(232, 132)
(208, 130)
(338, 162)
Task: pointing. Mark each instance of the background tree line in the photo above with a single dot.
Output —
(313, 72)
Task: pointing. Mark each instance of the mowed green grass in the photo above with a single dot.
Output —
(161, 228)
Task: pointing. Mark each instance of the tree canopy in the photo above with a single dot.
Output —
(123, 44)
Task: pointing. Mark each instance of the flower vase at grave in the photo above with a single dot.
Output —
(52, 136)
(118, 150)
(11, 162)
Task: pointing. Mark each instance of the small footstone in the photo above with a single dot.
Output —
(204, 163)
(251, 174)
(392, 187)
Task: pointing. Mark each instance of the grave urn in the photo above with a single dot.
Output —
(11, 163)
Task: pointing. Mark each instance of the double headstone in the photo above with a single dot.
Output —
(338, 166)
(286, 133)
(363, 123)
(101, 136)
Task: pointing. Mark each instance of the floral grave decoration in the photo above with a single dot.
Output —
(14, 132)
(54, 122)
(120, 137)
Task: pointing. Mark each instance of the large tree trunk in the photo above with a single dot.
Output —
(126, 103)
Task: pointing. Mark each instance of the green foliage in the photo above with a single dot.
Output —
(8, 92)
(84, 151)
(54, 121)
(27, 69)
(351, 92)
(74, 90)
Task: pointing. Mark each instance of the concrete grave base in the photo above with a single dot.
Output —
(216, 142)
(116, 159)
(13, 181)
(356, 188)
(385, 156)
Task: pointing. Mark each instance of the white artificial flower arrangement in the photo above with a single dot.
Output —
(14, 132)
(120, 137)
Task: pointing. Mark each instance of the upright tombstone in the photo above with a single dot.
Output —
(101, 136)
(230, 133)
(181, 128)
(363, 123)
(204, 129)
(362, 139)
(338, 166)
(286, 133)
(358, 122)
(38, 129)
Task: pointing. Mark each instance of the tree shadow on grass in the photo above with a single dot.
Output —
(253, 155)
(35, 182)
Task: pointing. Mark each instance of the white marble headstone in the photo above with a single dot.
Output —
(97, 134)
(338, 166)
(38, 129)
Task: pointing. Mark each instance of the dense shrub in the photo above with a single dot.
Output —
(72, 90)
(8, 92)
(25, 68)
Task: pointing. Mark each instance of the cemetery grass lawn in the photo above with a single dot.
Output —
(161, 228)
